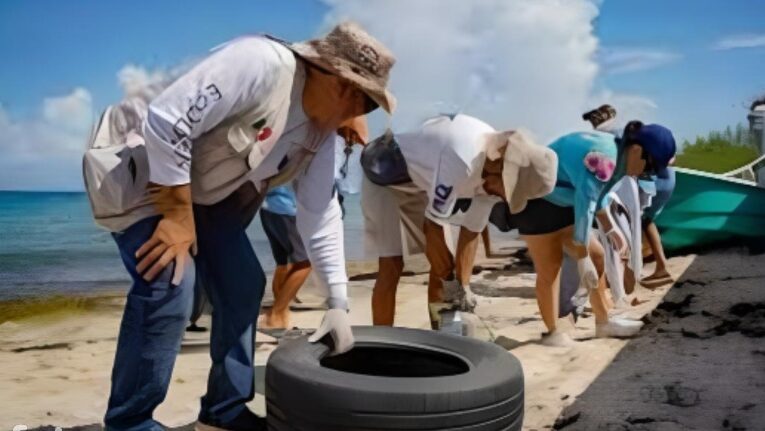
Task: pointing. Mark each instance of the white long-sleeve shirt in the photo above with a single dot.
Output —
(234, 118)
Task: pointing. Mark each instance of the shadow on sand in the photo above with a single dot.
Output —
(699, 363)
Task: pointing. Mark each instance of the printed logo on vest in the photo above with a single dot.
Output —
(442, 193)
(195, 112)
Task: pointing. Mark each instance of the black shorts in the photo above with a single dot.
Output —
(282, 234)
(539, 217)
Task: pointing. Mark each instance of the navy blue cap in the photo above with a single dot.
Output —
(657, 141)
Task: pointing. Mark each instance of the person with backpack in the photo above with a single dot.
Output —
(256, 113)
(448, 172)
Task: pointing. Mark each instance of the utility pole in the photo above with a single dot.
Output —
(756, 119)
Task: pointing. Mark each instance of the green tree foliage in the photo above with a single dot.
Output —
(719, 152)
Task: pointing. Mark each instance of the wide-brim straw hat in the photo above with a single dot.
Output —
(529, 170)
(350, 52)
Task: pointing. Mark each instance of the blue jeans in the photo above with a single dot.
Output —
(234, 281)
(665, 185)
(150, 336)
(156, 315)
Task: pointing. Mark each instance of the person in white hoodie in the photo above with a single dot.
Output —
(257, 112)
(450, 171)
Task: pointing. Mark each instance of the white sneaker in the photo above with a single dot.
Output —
(558, 339)
(618, 328)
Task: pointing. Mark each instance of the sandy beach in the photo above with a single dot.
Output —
(54, 369)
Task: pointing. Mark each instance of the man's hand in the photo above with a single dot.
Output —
(174, 236)
(337, 324)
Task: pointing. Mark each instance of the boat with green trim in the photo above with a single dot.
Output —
(708, 210)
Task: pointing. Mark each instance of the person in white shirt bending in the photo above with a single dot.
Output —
(449, 171)
(256, 113)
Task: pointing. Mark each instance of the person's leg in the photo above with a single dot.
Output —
(384, 292)
(235, 282)
(198, 308)
(384, 210)
(279, 316)
(280, 274)
(629, 279)
(274, 226)
(150, 336)
(440, 259)
(605, 325)
(665, 185)
(569, 283)
(654, 240)
(298, 272)
(598, 297)
(546, 252)
(486, 238)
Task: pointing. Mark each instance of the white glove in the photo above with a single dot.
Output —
(337, 324)
(468, 301)
(588, 280)
(462, 296)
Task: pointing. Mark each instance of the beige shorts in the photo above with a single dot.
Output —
(393, 219)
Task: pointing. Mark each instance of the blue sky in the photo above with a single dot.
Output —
(699, 87)
(691, 64)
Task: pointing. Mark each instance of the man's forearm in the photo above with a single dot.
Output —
(322, 235)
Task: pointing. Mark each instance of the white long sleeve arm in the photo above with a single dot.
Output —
(320, 223)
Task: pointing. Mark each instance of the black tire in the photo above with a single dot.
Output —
(399, 379)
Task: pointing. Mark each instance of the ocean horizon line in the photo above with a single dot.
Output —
(43, 191)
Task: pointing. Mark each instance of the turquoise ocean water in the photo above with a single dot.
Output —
(49, 245)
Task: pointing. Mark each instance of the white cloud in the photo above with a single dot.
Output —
(510, 62)
(740, 41)
(44, 152)
(625, 60)
(73, 111)
(135, 79)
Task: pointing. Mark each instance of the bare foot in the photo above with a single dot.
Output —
(658, 274)
(273, 320)
(656, 282)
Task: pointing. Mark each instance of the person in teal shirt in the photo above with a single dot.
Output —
(560, 223)
(586, 163)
